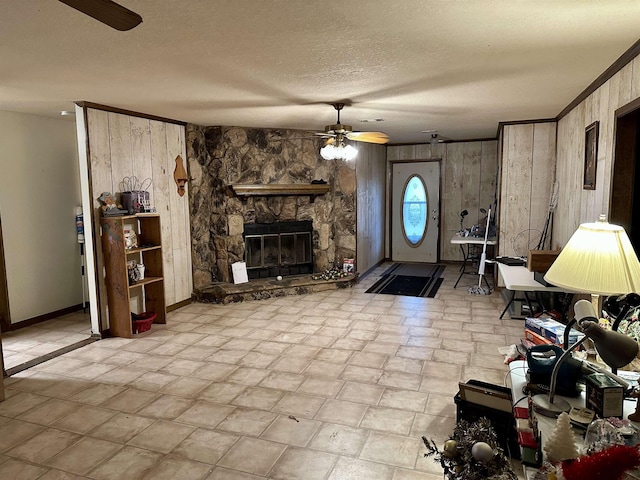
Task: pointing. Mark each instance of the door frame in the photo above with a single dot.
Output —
(623, 201)
(5, 313)
(5, 317)
(390, 210)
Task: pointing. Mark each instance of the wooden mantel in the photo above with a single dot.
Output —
(312, 189)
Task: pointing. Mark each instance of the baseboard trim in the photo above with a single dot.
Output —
(178, 305)
(47, 316)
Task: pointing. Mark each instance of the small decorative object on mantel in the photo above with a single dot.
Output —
(108, 205)
(180, 175)
(472, 453)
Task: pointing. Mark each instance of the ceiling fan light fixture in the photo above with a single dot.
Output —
(338, 152)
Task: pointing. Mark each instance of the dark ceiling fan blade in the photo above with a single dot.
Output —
(369, 137)
(108, 12)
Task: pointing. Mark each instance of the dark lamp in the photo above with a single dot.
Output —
(615, 349)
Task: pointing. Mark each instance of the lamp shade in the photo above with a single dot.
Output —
(598, 259)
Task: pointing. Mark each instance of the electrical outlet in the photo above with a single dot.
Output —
(513, 199)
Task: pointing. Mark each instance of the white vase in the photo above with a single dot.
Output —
(140, 268)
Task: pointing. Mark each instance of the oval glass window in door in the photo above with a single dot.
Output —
(414, 210)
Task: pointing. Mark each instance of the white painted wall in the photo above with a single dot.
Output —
(38, 199)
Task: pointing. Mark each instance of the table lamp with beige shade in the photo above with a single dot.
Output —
(598, 259)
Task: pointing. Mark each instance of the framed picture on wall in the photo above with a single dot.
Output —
(590, 156)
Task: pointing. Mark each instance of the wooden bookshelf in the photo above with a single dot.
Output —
(116, 256)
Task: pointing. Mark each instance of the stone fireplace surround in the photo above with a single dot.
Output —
(220, 157)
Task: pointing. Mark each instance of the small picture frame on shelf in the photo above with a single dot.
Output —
(590, 156)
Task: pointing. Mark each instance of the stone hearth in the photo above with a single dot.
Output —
(261, 289)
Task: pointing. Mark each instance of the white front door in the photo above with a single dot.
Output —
(415, 211)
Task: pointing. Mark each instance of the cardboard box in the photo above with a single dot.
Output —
(348, 265)
(604, 396)
(541, 260)
(536, 338)
(552, 330)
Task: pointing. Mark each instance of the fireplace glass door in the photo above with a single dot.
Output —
(278, 249)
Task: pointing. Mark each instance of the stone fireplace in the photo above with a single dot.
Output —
(241, 177)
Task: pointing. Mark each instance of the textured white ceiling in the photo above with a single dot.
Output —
(456, 66)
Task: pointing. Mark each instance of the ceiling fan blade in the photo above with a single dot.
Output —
(108, 12)
(369, 137)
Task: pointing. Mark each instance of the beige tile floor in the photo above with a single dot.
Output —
(337, 385)
(25, 344)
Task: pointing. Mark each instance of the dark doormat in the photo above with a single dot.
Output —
(410, 285)
(416, 269)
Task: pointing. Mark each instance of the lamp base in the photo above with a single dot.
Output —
(543, 406)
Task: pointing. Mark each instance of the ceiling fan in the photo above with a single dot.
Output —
(108, 12)
(435, 137)
(338, 132)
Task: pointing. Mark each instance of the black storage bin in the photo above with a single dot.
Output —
(502, 422)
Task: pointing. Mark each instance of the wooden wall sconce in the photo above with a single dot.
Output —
(180, 175)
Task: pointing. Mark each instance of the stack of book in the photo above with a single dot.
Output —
(547, 331)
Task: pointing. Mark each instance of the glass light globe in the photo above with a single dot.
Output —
(349, 152)
(328, 152)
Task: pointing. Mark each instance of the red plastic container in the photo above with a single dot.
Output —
(142, 322)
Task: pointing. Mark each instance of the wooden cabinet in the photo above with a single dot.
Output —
(144, 295)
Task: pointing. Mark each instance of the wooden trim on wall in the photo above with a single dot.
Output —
(445, 141)
(94, 215)
(107, 108)
(501, 125)
(178, 305)
(625, 109)
(44, 317)
(615, 67)
(418, 160)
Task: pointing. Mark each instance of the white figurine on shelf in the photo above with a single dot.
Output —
(562, 443)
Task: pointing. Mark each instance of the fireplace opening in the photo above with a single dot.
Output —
(281, 248)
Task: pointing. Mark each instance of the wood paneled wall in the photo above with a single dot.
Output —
(123, 146)
(528, 153)
(576, 205)
(468, 181)
(371, 189)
